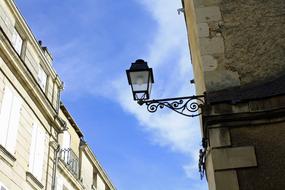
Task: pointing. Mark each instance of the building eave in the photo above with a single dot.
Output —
(71, 120)
(248, 92)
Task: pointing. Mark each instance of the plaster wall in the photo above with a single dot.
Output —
(7, 20)
(74, 138)
(268, 141)
(87, 172)
(32, 53)
(248, 139)
(236, 42)
(13, 173)
(64, 183)
(254, 38)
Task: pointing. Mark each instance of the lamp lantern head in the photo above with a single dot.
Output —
(140, 77)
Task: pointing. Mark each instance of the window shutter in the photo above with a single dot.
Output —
(3, 16)
(17, 41)
(5, 115)
(14, 124)
(7, 20)
(39, 154)
(66, 140)
(42, 77)
(59, 183)
(65, 146)
(33, 148)
(37, 150)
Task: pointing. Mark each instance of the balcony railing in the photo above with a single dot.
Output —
(71, 161)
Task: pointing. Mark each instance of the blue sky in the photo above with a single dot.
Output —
(93, 42)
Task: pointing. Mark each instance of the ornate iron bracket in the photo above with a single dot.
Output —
(190, 106)
(202, 158)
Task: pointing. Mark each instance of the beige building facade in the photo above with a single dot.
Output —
(238, 56)
(41, 147)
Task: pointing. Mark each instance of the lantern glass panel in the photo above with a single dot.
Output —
(140, 96)
(149, 88)
(139, 80)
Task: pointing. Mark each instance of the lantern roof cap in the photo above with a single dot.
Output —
(139, 65)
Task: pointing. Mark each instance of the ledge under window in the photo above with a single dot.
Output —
(6, 156)
(32, 180)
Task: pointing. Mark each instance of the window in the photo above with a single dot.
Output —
(4, 16)
(37, 151)
(17, 41)
(9, 119)
(42, 78)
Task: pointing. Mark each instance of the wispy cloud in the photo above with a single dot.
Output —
(168, 54)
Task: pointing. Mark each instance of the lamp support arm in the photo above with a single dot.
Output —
(190, 106)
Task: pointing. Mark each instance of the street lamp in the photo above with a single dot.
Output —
(140, 78)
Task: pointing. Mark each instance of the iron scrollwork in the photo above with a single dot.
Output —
(190, 106)
(202, 158)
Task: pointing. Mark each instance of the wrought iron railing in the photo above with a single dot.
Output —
(71, 161)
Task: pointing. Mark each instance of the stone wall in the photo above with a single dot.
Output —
(268, 141)
(246, 144)
(237, 47)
